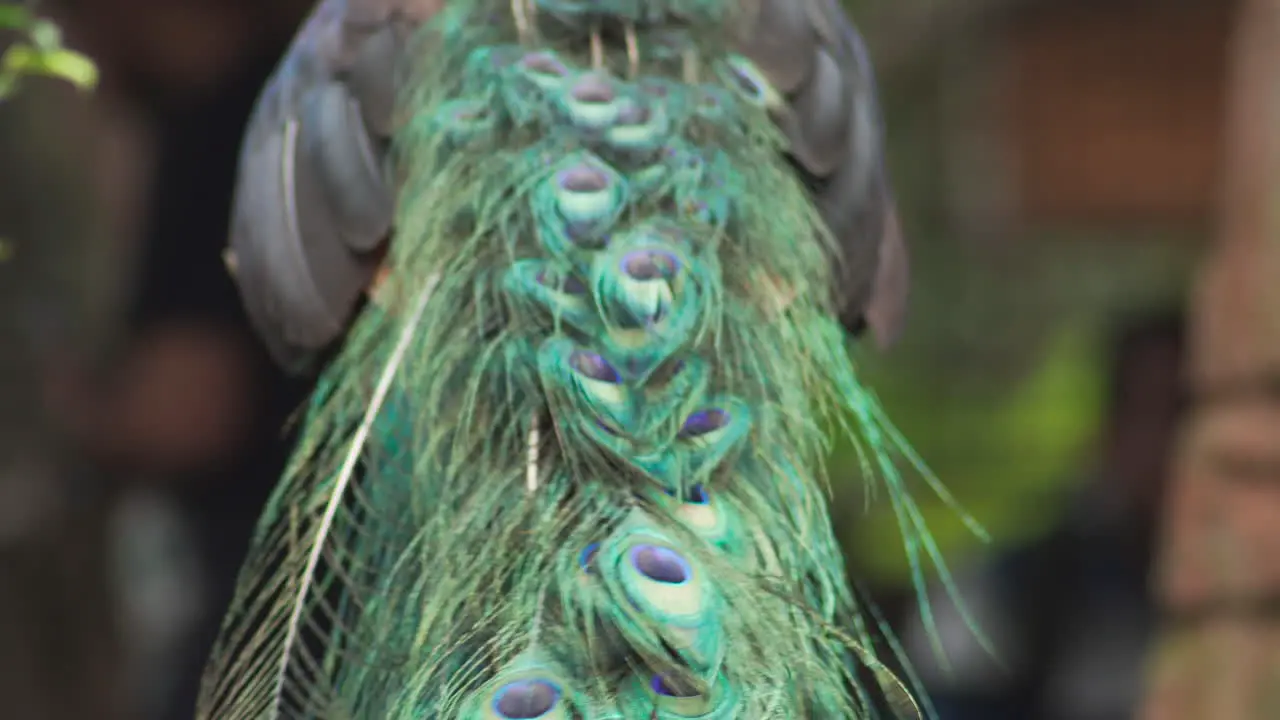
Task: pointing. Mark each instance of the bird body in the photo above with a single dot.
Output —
(568, 462)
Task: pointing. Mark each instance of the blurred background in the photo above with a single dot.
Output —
(1090, 192)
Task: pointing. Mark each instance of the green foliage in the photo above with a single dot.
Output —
(41, 54)
(1005, 455)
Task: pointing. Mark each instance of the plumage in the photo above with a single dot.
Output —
(303, 257)
(568, 462)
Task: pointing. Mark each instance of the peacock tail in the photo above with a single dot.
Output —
(569, 464)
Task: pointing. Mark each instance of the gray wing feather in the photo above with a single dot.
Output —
(312, 204)
(811, 52)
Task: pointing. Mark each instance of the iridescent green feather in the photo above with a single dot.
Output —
(592, 483)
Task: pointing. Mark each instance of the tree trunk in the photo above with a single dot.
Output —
(1219, 577)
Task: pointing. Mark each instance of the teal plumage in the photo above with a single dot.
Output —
(569, 464)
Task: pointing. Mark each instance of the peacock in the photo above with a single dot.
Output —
(578, 279)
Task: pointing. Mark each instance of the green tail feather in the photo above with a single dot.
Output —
(592, 483)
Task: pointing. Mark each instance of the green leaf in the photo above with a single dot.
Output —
(73, 67)
(15, 17)
(45, 56)
(65, 64)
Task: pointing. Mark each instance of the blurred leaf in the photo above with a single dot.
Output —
(1007, 456)
(46, 35)
(45, 56)
(15, 17)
